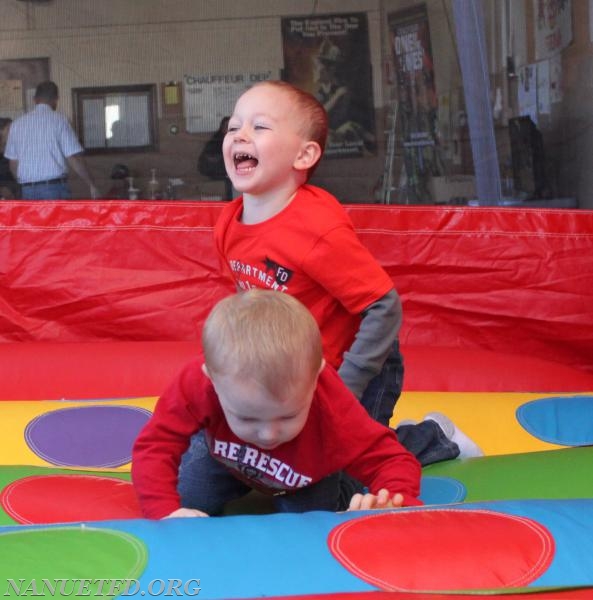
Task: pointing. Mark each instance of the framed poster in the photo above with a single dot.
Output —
(416, 95)
(329, 57)
(553, 26)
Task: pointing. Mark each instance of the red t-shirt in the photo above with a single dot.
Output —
(338, 435)
(311, 251)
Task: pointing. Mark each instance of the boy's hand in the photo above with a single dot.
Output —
(371, 501)
(186, 512)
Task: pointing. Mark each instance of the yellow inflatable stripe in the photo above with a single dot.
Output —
(16, 415)
(487, 417)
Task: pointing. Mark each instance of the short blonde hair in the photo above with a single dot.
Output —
(265, 335)
(313, 117)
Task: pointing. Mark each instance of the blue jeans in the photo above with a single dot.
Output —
(427, 442)
(383, 391)
(46, 191)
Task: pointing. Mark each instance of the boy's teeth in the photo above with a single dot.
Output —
(246, 161)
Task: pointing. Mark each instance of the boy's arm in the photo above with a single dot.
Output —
(231, 211)
(365, 449)
(155, 462)
(386, 464)
(158, 449)
(378, 331)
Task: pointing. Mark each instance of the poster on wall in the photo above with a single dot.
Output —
(416, 94)
(208, 98)
(11, 98)
(527, 92)
(539, 87)
(553, 26)
(544, 99)
(329, 57)
(556, 79)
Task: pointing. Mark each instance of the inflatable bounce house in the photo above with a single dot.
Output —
(101, 304)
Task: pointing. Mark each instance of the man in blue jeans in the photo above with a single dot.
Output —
(42, 146)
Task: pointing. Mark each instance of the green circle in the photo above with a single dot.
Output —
(68, 562)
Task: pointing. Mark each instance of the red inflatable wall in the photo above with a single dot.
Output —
(505, 280)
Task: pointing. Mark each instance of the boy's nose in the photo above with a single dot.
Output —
(241, 134)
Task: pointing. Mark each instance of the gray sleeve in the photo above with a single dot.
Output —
(378, 330)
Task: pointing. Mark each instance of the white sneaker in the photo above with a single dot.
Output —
(443, 421)
(467, 447)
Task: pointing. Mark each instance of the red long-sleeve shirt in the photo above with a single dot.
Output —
(338, 435)
(311, 251)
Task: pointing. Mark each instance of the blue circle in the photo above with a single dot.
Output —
(564, 420)
(441, 490)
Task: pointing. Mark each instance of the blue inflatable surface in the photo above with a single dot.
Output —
(504, 545)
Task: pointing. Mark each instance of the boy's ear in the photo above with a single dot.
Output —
(205, 371)
(308, 155)
(322, 366)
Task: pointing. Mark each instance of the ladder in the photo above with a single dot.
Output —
(388, 187)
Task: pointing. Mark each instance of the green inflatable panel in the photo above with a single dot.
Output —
(68, 561)
(552, 474)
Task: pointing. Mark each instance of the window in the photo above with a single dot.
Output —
(116, 118)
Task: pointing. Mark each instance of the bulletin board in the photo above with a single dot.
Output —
(11, 97)
(210, 97)
(18, 79)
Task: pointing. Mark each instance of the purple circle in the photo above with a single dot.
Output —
(86, 436)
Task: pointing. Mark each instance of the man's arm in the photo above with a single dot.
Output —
(78, 165)
(13, 165)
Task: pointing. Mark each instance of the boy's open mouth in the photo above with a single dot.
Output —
(244, 161)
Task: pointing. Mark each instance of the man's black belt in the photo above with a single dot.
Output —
(45, 182)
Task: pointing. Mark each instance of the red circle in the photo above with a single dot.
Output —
(66, 498)
(442, 550)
